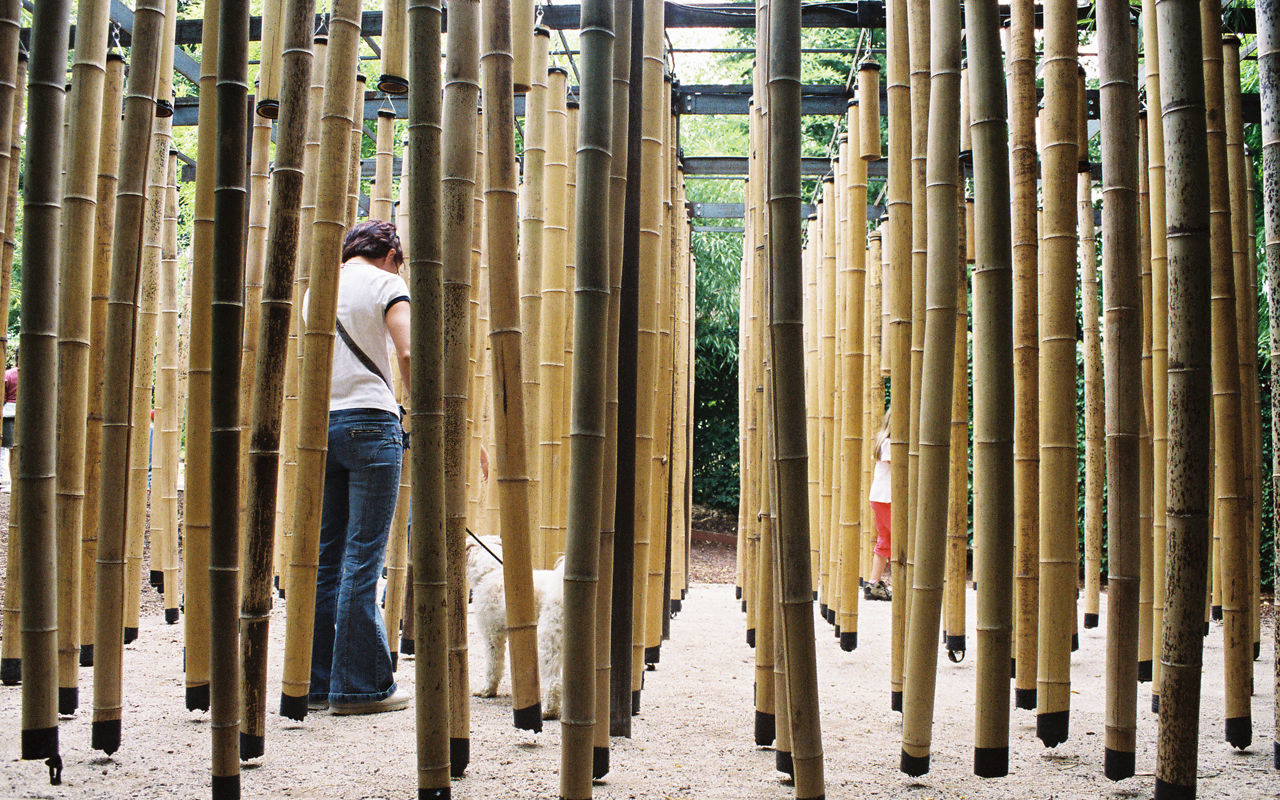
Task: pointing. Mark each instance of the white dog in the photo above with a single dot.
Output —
(484, 573)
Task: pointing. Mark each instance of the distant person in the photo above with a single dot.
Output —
(350, 661)
(6, 431)
(876, 587)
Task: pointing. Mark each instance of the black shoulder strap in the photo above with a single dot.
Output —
(360, 355)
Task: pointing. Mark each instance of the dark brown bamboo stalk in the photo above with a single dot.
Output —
(275, 320)
(1122, 303)
(1187, 215)
(461, 95)
(38, 360)
(139, 116)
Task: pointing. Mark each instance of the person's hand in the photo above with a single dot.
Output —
(484, 464)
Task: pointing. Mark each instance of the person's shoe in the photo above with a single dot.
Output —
(317, 705)
(880, 591)
(393, 702)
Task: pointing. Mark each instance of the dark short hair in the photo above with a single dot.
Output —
(373, 240)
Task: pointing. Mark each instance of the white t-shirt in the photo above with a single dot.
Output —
(365, 294)
(881, 482)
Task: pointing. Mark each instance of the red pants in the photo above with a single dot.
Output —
(883, 516)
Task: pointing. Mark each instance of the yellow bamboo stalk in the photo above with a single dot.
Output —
(168, 428)
(1146, 486)
(1094, 447)
(956, 569)
(552, 312)
(269, 62)
(10, 647)
(395, 51)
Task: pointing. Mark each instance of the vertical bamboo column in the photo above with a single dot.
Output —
(994, 392)
(42, 200)
(75, 245)
(1122, 301)
(522, 43)
(139, 115)
(1094, 415)
(1026, 347)
(355, 144)
(103, 233)
(587, 427)
(1187, 212)
(381, 204)
(317, 346)
(461, 95)
(1159, 339)
(1268, 18)
(550, 337)
(899, 304)
(956, 571)
(1229, 509)
(11, 647)
(1146, 480)
(936, 372)
(196, 500)
(508, 464)
(828, 362)
(268, 87)
(395, 52)
(168, 436)
(787, 386)
(263, 467)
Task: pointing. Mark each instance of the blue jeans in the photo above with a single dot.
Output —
(350, 660)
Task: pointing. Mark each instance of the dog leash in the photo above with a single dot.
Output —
(485, 546)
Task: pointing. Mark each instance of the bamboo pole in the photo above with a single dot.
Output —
(395, 53)
(938, 363)
(356, 142)
(1146, 480)
(313, 397)
(550, 337)
(75, 245)
(13, 71)
(1094, 414)
(1122, 303)
(1023, 225)
(957, 539)
(196, 501)
(381, 204)
(587, 427)
(827, 389)
(1229, 509)
(1189, 254)
(1268, 18)
(168, 436)
(136, 129)
(263, 466)
(994, 302)
(505, 335)
(36, 421)
(523, 75)
(461, 95)
(269, 69)
(10, 647)
(1159, 340)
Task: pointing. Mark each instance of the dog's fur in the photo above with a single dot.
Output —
(488, 593)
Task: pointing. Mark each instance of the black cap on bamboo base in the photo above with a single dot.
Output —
(268, 108)
(783, 762)
(991, 762)
(392, 84)
(529, 718)
(1144, 671)
(406, 646)
(1257, 650)
(1174, 791)
(1206, 629)
(915, 766)
(1118, 764)
(1090, 620)
(164, 109)
(252, 746)
(1051, 727)
(822, 611)
(837, 632)
(751, 637)
(737, 594)
(815, 593)
(10, 671)
(1075, 642)
(43, 742)
(459, 756)
(130, 635)
(156, 579)
(226, 787)
(1013, 668)
(955, 644)
(635, 703)
(599, 762)
(171, 616)
(895, 701)
(294, 708)
(198, 697)
(744, 606)
(652, 655)
(766, 729)
(677, 605)
(1024, 699)
(395, 661)
(104, 735)
(1155, 703)
(86, 655)
(1215, 613)
(849, 641)
(434, 794)
(1240, 731)
(1275, 746)
(68, 700)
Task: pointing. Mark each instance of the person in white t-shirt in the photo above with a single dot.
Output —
(880, 496)
(350, 660)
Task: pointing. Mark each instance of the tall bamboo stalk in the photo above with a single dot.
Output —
(550, 337)
(1146, 480)
(76, 241)
(956, 569)
(461, 95)
(136, 129)
(36, 422)
(1026, 346)
(395, 53)
(381, 202)
(11, 646)
(263, 467)
(1189, 256)
(523, 32)
(1122, 301)
(1229, 509)
(330, 225)
(936, 372)
(168, 425)
(508, 465)
(268, 88)
(994, 392)
(1094, 415)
